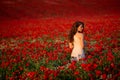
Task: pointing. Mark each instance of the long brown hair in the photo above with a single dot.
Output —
(74, 30)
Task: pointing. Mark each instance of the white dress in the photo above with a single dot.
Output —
(78, 51)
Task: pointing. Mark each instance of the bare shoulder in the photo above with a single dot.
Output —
(80, 35)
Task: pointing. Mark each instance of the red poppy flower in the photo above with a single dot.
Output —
(98, 72)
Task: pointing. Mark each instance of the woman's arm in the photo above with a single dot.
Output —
(82, 40)
(70, 45)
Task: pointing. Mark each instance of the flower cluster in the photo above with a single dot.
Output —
(38, 50)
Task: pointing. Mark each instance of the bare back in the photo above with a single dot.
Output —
(80, 39)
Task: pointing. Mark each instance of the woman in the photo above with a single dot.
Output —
(76, 41)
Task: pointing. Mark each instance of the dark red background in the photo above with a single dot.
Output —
(26, 9)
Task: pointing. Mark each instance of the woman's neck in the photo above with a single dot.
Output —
(79, 32)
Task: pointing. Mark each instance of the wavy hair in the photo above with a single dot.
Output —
(74, 30)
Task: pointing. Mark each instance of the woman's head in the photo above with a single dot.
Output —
(78, 26)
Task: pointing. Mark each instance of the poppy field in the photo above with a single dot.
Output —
(38, 49)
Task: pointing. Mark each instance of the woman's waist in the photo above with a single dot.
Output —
(78, 47)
